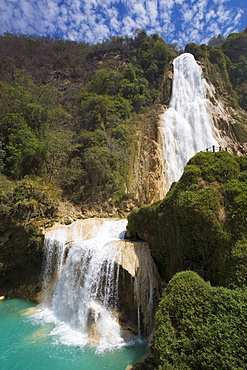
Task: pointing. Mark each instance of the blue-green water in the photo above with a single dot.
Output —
(26, 344)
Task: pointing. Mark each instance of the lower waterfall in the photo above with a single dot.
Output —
(186, 125)
(97, 287)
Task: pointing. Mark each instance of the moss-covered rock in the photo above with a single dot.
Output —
(198, 223)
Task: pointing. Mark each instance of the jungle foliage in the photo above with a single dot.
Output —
(69, 111)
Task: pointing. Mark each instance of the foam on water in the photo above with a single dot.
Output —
(36, 342)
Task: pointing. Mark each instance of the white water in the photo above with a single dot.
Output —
(186, 126)
(86, 289)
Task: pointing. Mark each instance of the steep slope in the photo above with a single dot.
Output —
(85, 117)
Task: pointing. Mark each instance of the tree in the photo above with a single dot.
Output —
(60, 145)
(216, 41)
(2, 156)
(26, 153)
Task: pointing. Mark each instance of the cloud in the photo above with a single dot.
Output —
(179, 21)
(203, 19)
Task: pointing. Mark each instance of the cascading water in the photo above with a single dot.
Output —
(85, 292)
(186, 126)
(81, 282)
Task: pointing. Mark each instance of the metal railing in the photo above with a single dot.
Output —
(215, 148)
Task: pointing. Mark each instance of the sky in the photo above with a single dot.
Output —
(94, 21)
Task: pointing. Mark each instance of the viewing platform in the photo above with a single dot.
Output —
(214, 149)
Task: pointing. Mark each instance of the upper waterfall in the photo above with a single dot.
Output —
(186, 125)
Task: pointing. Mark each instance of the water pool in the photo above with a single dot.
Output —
(27, 344)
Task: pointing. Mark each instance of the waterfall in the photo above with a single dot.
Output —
(81, 281)
(186, 125)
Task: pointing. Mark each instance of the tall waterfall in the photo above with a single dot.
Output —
(186, 126)
(82, 268)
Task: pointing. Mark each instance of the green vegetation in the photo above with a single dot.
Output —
(25, 206)
(216, 41)
(69, 112)
(201, 221)
(200, 226)
(199, 326)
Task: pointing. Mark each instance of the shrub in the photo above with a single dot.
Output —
(199, 326)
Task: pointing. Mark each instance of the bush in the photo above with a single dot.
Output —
(28, 199)
(199, 326)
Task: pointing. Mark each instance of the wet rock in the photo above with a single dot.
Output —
(139, 366)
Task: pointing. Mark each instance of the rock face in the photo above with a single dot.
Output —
(226, 121)
(147, 177)
(139, 274)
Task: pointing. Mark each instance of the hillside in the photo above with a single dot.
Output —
(78, 137)
(79, 131)
(71, 113)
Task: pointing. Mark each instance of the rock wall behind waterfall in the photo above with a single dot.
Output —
(146, 168)
(137, 264)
